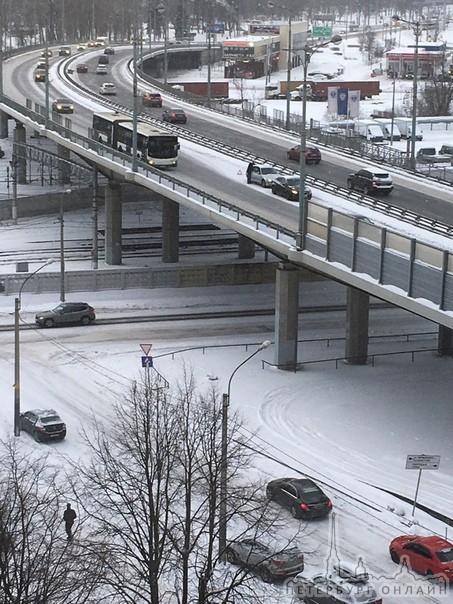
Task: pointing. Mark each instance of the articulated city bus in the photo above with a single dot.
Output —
(155, 146)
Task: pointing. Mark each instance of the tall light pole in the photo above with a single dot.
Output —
(308, 51)
(224, 454)
(134, 87)
(162, 10)
(17, 301)
(417, 27)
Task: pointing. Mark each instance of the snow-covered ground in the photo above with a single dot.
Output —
(349, 427)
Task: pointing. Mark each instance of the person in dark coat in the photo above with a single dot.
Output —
(249, 172)
(69, 516)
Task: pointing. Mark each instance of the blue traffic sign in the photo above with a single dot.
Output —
(147, 361)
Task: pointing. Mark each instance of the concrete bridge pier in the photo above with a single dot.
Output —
(357, 316)
(286, 316)
(246, 248)
(64, 168)
(445, 341)
(170, 231)
(113, 222)
(3, 124)
(19, 161)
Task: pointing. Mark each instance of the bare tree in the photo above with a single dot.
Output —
(36, 562)
(436, 98)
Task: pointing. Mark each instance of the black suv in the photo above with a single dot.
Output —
(66, 313)
(371, 182)
(301, 495)
(43, 424)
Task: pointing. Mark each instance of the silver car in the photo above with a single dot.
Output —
(268, 563)
(264, 174)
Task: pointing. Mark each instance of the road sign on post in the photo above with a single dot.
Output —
(421, 462)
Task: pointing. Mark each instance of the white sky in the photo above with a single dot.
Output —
(351, 427)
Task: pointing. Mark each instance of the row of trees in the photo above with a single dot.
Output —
(27, 20)
(147, 497)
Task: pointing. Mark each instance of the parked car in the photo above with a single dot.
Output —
(82, 68)
(66, 313)
(327, 589)
(102, 70)
(62, 106)
(288, 187)
(109, 50)
(301, 496)
(266, 562)
(446, 150)
(107, 88)
(151, 99)
(430, 555)
(263, 174)
(174, 116)
(312, 154)
(43, 424)
(371, 182)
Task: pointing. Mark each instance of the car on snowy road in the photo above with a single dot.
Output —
(429, 555)
(270, 564)
(43, 424)
(67, 313)
(301, 496)
(264, 174)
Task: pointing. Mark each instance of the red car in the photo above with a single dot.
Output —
(429, 556)
(312, 154)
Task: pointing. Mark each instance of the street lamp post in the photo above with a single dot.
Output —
(135, 97)
(308, 51)
(417, 27)
(17, 301)
(224, 454)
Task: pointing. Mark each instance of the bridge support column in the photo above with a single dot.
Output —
(170, 231)
(113, 223)
(246, 248)
(357, 314)
(286, 316)
(19, 138)
(3, 124)
(445, 341)
(64, 169)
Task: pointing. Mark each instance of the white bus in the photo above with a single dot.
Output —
(155, 146)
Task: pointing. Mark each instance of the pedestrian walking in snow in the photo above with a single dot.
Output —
(69, 516)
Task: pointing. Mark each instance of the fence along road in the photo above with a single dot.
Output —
(413, 271)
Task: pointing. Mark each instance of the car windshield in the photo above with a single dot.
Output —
(293, 182)
(445, 555)
(59, 309)
(267, 170)
(382, 175)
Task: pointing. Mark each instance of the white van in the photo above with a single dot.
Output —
(386, 125)
(371, 131)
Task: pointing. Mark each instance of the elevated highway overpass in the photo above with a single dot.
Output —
(373, 254)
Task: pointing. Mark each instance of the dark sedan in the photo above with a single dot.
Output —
(312, 154)
(301, 496)
(288, 187)
(151, 99)
(268, 563)
(82, 68)
(174, 116)
(43, 424)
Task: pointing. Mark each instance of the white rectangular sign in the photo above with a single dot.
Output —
(422, 462)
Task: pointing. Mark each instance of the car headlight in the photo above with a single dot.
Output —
(294, 191)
